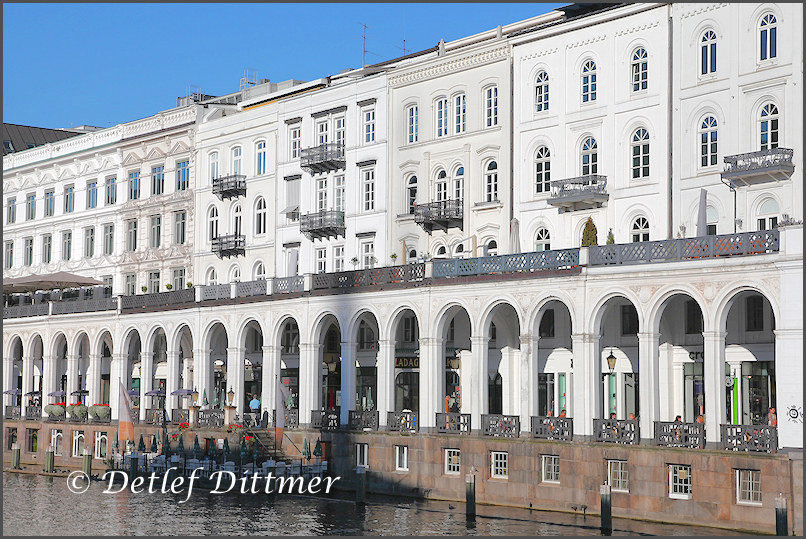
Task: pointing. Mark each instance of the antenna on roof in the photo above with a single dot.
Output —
(250, 78)
(405, 50)
(364, 46)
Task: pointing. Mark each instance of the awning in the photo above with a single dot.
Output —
(291, 208)
(60, 279)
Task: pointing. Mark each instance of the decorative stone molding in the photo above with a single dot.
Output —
(446, 67)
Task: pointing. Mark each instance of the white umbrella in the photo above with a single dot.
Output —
(702, 214)
(514, 236)
(60, 279)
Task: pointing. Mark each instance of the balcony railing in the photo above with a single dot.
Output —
(676, 434)
(155, 416)
(515, 263)
(773, 164)
(251, 288)
(743, 243)
(33, 412)
(364, 420)
(210, 418)
(230, 186)
(215, 291)
(322, 158)
(291, 418)
(288, 285)
(85, 305)
(327, 420)
(20, 311)
(442, 215)
(402, 422)
(616, 431)
(159, 299)
(369, 277)
(579, 193)
(13, 412)
(322, 224)
(761, 438)
(453, 423)
(229, 245)
(552, 428)
(505, 426)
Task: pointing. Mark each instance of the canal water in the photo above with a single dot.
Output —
(37, 505)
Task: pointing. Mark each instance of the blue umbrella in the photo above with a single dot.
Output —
(182, 392)
(57, 394)
(14, 391)
(156, 393)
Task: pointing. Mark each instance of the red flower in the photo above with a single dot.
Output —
(60, 404)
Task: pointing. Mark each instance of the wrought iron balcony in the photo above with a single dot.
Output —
(33, 412)
(180, 415)
(369, 277)
(441, 215)
(322, 158)
(453, 423)
(552, 428)
(402, 421)
(13, 412)
(364, 420)
(229, 245)
(322, 224)
(231, 186)
(774, 164)
(515, 263)
(675, 434)
(505, 426)
(616, 431)
(579, 193)
(159, 299)
(762, 438)
(327, 420)
(210, 418)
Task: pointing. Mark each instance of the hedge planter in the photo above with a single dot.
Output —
(77, 411)
(100, 411)
(55, 410)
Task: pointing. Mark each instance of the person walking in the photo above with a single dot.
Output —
(254, 405)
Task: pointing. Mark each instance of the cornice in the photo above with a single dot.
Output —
(442, 67)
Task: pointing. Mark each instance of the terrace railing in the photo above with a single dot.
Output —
(402, 422)
(210, 418)
(215, 291)
(155, 416)
(33, 412)
(369, 277)
(251, 288)
(13, 412)
(552, 428)
(505, 426)
(514, 263)
(616, 431)
(675, 434)
(291, 418)
(288, 285)
(327, 420)
(364, 419)
(21, 311)
(762, 438)
(453, 423)
(159, 299)
(85, 305)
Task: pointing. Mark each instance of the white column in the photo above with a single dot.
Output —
(309, 381)
(714, 374)
(172, 381)
(8, 380)
(72, 379)
(202, 376)
(586, 394)
(235, 375)
(432, 381)
(146, 380)
(479, 399)
(117, 377)
(270, 378)
(348, 373)
(648, 390)
(678, 385)
(525, 391)
(27, 380)
(94, 380)
(386, 380)
(789, 386)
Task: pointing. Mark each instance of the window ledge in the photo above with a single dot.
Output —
(480, 206)
(402, 217)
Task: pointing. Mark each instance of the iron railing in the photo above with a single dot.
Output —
(155, 416)
(85, 305)
(552, 428)
(291, 418)
(324, 223)
(159, 299)
(402, 422)
(215, 291)
(514, 263)
(210, 418)
(21, 311)
(763, 438)
(13, 412)
(33, 412)
(230, 186)
(441, 211)
(739, 244)
(676, 434)
(251, 288)
(369, 277)
(453, 423)
(581, 185)
(288, 285)
(616, 431)
(505, 426)
(761, 161)
(364, 419)
(329, 156)
(229, 245)
(325, 419)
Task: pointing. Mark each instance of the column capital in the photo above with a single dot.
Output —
(349, 345)
(431, 341)
(235, 350)
(271, 348)
(479, 339)
(586, 337)
(201, 352)
(309, 347)
(648, 335)
(714, 335)
(119, 358)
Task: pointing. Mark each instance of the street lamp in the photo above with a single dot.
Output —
(195, 397)
(611, 361)
(230, 396)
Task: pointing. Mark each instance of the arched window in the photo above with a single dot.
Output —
(212, 223)
(589, 81)
(459, 184)
(491, 182)
(459, 250)
(640, 154)
(708, 52)
(711, 220)
(237, 219)
(211, 277)
(213, 166)
(412, 256)
(260, 157)
(259, 274)
(235, 274)
(542, 240)
(460, 113)
(768, 36)
(260, 216)
(441, 252)
(590, 157)
(236, 160)
(442, 186)
(412, 121)
(491, 249)
(768, 214)
(640, 229)
(639, 70)
(442, 117)
(542, 170)
(542, 92)
(768, 126)
(708, 141)
(411, 194)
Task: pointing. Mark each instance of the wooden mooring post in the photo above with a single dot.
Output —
(606, 512)
(781, 521)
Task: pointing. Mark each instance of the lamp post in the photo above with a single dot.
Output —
(611, 361)
(230, 396)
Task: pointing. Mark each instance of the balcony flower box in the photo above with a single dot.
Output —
(100, 411)
(55, 409)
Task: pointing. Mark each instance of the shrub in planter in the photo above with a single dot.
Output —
(54, 409)
(100, 411)
(77, 410)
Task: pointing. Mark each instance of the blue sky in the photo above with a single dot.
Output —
(103, 64)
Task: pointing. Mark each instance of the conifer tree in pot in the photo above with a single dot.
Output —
(589, 236)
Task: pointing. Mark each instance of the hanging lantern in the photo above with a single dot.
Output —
(611, 361)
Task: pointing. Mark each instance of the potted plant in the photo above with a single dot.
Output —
(354, 261)
(589, 235)
(610, 238)
(189, 284)
(99, 411)
(144, 289)
(77, 411)
(393, 256)
(168, 286)
(55, 409)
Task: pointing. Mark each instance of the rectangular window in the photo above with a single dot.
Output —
(453, 461)
(111, 191)
(180, 227)
(153, 282)
(182, 175)
(89, 242)
(321, 260)
(369, 125)
(158, 180)
(693, 317)
(11, 437)
(322, 132)
(155, 233)
(368, 254)
(754, 313)
(134, 185)
(362, 455)
(618, 476)
(748, 486)
(179, 278)
(321, 194)
(412, 129)
(296, 141)
(28, 252)
(78, 442)
(499, 464)
(69, 198)
(369, 189)
(31, 439)
(92, 194)
(131, 235)
(109, 239)
(30, 207)
(338, 124)
(50, 202)
(67, 245)
(108, 280)
(402, 458)
(338, 192)
(460, 113)
(551, 468)
(338, 258)
(442, 117)
(491, 106)
(47, 248)
(680, 481)
(131, 284)
(11, 211)
(101, 445)
(629, 320)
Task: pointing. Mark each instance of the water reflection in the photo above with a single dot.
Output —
(35, 505)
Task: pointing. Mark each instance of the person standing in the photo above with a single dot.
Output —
(772, 417)
(254, 405)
